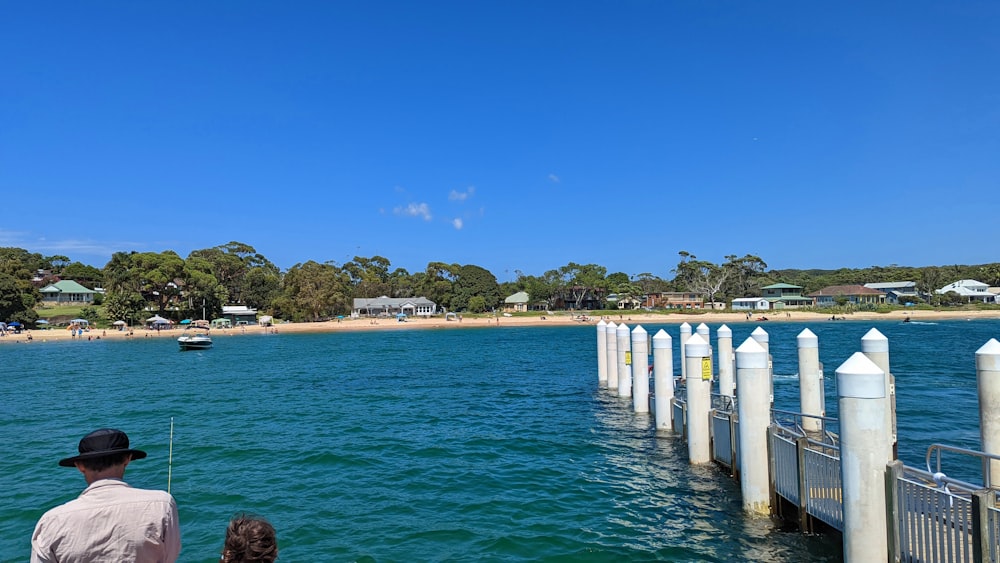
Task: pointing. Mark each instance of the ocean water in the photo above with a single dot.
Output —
(435, 445)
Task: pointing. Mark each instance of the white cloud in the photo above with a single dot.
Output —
(457, 223)
(462, 196)
(553, 178)
(415, 210)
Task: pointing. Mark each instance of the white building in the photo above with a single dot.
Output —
(971, 290)
(751, 304)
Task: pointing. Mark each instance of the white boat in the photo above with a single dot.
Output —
(195, 337)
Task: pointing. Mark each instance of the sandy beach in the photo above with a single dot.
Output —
(559, 319)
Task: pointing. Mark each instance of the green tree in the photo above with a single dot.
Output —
(477, 304)
(86, 275)
(17, 300)
(474, 281)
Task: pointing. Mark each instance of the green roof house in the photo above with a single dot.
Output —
(517, 303)
(781, 295)
(67, 291)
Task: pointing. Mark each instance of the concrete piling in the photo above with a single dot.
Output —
(663, 379)
(727, 382)
(875, 346)
(988, 385)
(810, 381)
(602, 354)
(754, 408)
(699, 399)
(685, 334)
(612, 356)
(624, 344)
(640, 370)
(863, 435)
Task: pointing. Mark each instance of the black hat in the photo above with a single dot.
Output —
(100, 443)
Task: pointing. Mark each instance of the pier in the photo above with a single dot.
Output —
(827, 475)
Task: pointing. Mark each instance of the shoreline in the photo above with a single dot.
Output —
(567, 319)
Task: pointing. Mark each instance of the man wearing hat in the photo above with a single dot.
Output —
(109, 521)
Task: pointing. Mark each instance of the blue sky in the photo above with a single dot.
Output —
(509, 135)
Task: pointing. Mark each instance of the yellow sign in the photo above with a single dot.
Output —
(706, 369)
(628, 358)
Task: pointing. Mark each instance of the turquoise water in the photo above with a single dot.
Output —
(458, 445)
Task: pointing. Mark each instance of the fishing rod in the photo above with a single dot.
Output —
(170, 454)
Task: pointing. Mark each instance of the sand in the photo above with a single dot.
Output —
(559, 319)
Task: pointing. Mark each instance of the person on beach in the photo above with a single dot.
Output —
(249, 539)
(109, 521)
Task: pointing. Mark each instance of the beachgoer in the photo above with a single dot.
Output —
(249, 539)
(109, 521)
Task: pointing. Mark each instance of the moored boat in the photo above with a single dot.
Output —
(195, 337)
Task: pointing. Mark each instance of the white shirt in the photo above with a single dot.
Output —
(109, 521)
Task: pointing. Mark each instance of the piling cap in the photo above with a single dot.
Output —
(751, 355)
(807, 339)
(874, 341)
(724, 332)
(860, 378)
(702, 328)
(601, 324)
(611, 326)
(622, 330)
(662, 340)
(638, 331)
(988, 357)
(696, 347)
(760, 335)
(685, 328)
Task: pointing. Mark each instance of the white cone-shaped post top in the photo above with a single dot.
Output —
(638, 331)
(696, 347)
(807, 339)
(662, 340)
(988, 357)
(724, 332)
(601, 325)
(685, 328)
(622, 329)
(760, 335)
(702, 329)
(874, 341)
(860, 378)
(751, 355)
(611, 326)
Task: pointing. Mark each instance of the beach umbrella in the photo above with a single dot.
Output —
(3, 325)
(119, 323)
(155, 319)
(41, 322)
(13, 323)
(186, 322)
(80, 321)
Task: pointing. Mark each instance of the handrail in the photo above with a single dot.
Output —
(983, 457)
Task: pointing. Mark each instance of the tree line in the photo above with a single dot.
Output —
(137, 284)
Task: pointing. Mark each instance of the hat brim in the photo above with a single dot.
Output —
(71, 461)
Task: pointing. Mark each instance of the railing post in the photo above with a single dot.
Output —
(861, 389)
(875, 346)
(727, 381)
(801, 444)
(699, 399)
(893, 472)
(753, 406)
(663, 380)
(622, 335)
(982, 502)
(988, 384)
(640, 370)
(810, 381)
(602, 354)
(612, 356)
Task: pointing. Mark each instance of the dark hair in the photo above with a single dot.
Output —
(250, 539)
(105, 461)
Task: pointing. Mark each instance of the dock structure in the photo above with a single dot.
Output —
(827, 475)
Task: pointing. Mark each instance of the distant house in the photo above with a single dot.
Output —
(67, 291)
(750, 304)
(854, 294)
(675, 300)
(517, 303)
(391, 306)
(782, 295)
(894, 290)
(588, 298)
(971, 290)
(237, 313)
(622, 303)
